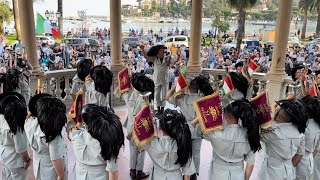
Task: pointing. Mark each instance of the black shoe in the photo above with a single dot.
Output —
(193, 177)
(133, 174)
(142, 175)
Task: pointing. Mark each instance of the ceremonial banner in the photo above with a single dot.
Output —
(314, 90)
(252, 67)
(143, 129)
(124, 80)
(209, 113)
(181, 84)
(227, 86)
(261, 105)
(75, 111)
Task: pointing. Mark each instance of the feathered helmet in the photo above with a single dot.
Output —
(105, 126)
(10, 80)
(297, 113)
(102, 78)
(83, 68)
(143, 84)
(3, 95)
(155, 49)
(33, 102)
(203, 84)
(239, 82)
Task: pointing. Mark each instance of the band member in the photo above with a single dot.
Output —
(11, 80)
(198, 87)
(299, 74)
(237, 143)
(79, 80)
(14, 145)
(45, 139)
(241, 86)
(100, 87)
(172, 153)
(306, 169)
(285, 143)
(161, 64)
(135, 102)
(97, 143)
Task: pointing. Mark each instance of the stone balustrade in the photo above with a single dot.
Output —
(51, 82)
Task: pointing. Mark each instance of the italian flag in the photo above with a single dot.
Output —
(314, 90)
(181, 83)
(44, 26)
(252, 67)
(227, 86)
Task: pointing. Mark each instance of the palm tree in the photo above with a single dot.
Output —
(305, 5)
(241, 6)
(16, 18)
(60, 20)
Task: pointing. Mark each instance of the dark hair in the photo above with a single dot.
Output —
(10, 80)
(143, 84)
(104, 126)
(175, 125)
(242, 109)
(51, 117)
(83, 68)
(201, 83)
(15, 112)
(239, 82)
(3, 95)
(102, 78)
(312, 105)
(33, 102)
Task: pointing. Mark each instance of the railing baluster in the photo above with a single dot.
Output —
(58, 90)
(67, 89)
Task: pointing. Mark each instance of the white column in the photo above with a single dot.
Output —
(28, 32)
(116, 35)
(194, 66)
(277, 74)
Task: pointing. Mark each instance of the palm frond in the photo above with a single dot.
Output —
(242, 4)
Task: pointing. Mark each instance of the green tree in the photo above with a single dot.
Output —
(241, 6)
(219, 25)
(305, 5)
(5, 14)
(154, 6)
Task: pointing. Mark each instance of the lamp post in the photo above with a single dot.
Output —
(83, 16)
(53, 17)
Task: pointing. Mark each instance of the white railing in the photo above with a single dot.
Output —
(50, 83)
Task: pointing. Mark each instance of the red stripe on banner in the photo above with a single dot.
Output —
(182, 82)
(229, 82)
(252, 65)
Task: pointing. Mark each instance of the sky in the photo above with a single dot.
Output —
(93, 7)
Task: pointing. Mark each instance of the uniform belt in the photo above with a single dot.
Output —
(95, 168)
(218, 160)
